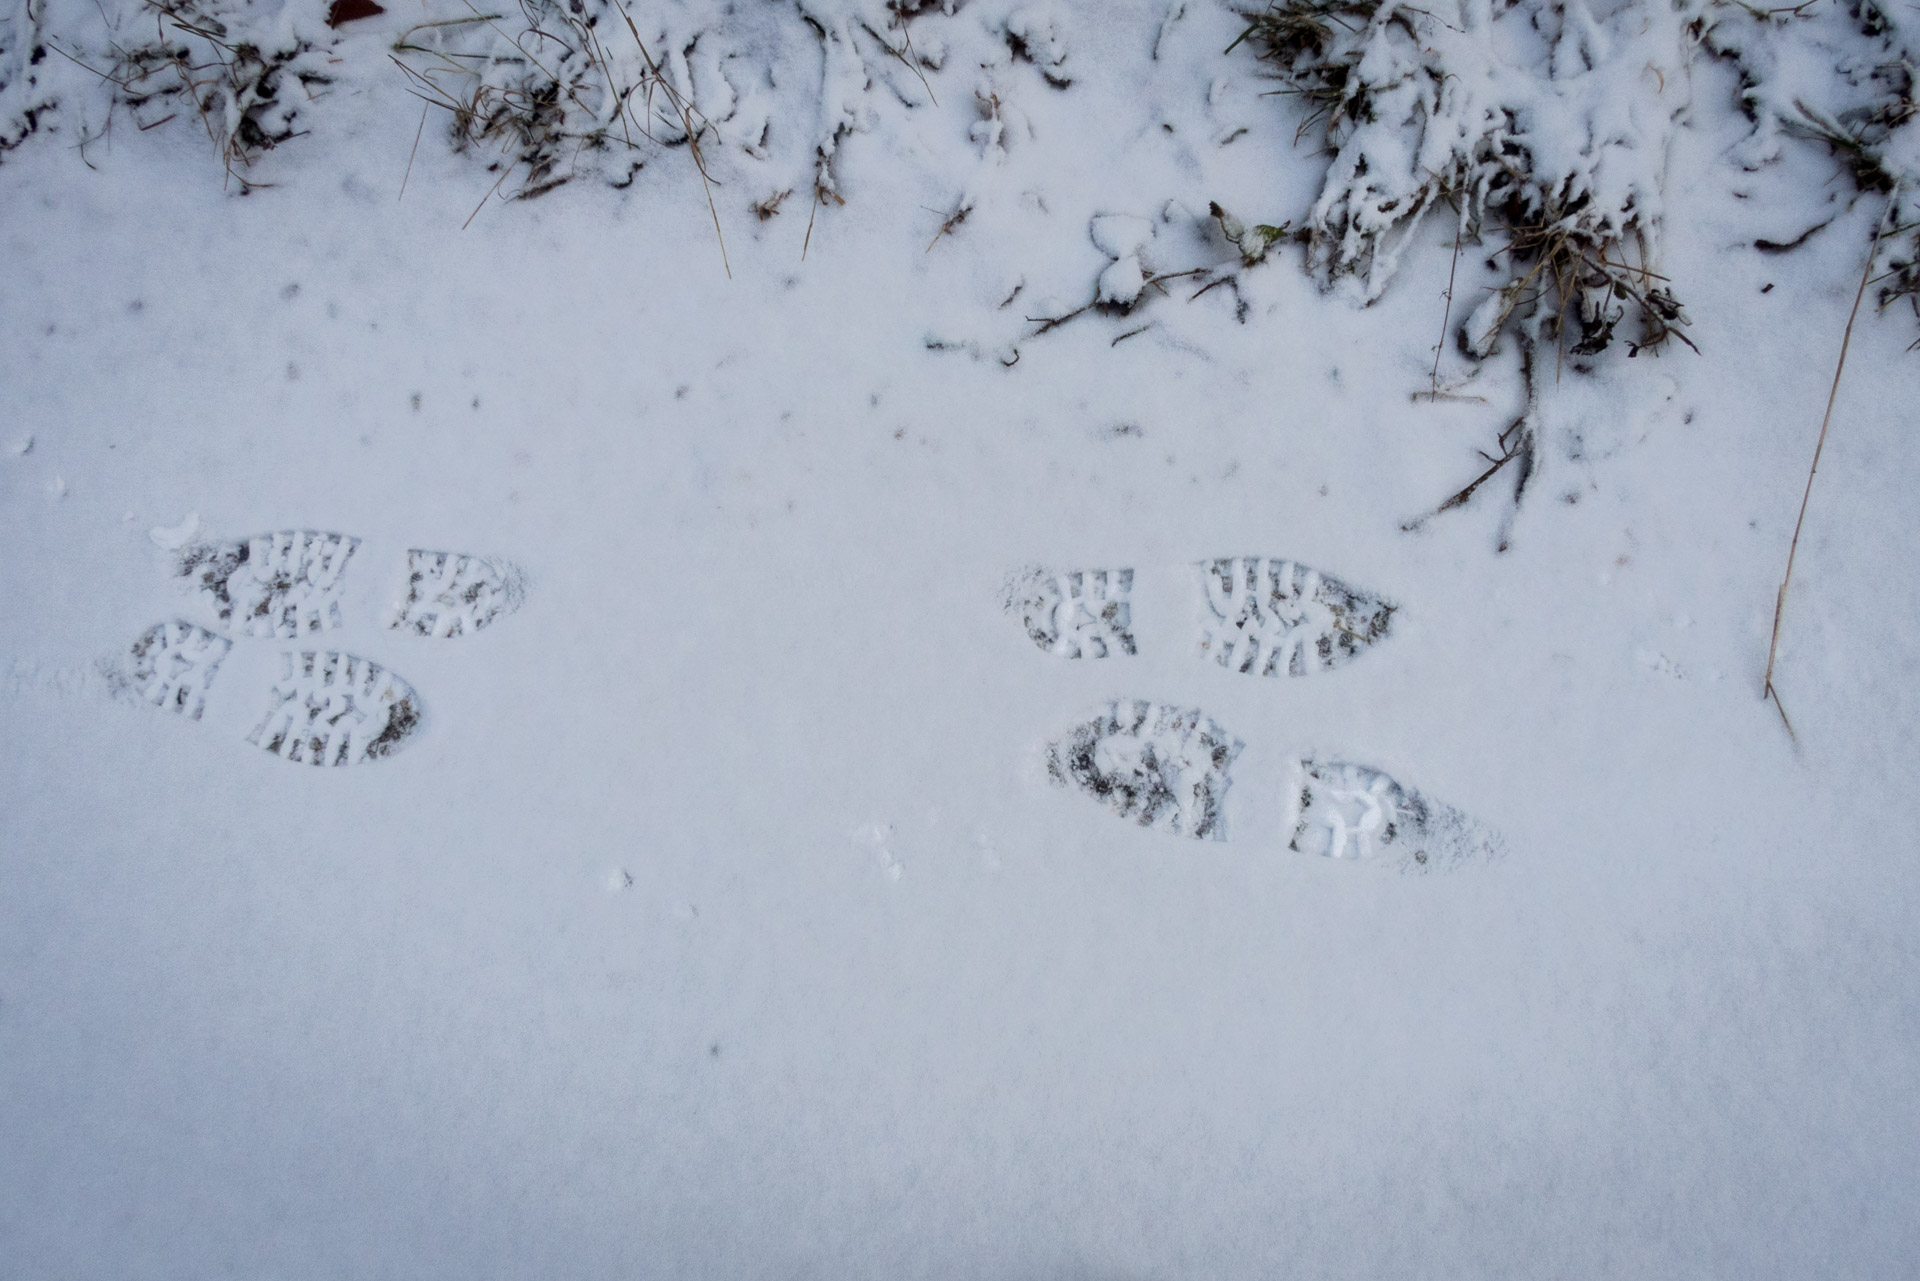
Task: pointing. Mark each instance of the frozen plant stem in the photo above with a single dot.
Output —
(410, 155)
(1447, 314)
(483, 200)
(1793, 548)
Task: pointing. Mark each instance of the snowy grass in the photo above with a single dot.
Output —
(1840, 76)
(1541, 129)
(1543, 124)
(149, 64)
(1538, 125)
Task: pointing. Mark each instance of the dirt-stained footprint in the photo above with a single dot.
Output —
(328, 707)
(1168, 766)
(1340, 810)
(1074, 613)
(1272, 617)
(1163, 767)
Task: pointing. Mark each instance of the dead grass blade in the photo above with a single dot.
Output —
(1767, 689)
(693, 135)
(410, 155)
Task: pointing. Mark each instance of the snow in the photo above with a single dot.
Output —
(729, 906)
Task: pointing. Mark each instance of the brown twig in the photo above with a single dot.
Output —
(1516, 446)
(1229, 279)
(1050, 323)
(954, 219)
(1509, 452)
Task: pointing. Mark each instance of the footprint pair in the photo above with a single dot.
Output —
(326, 707)
(1168, 768)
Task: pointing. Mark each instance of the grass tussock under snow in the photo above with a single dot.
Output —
(1542, 128)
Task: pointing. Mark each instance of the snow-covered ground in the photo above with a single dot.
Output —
(865, 837)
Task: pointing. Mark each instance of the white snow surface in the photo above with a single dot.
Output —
(719, 902)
